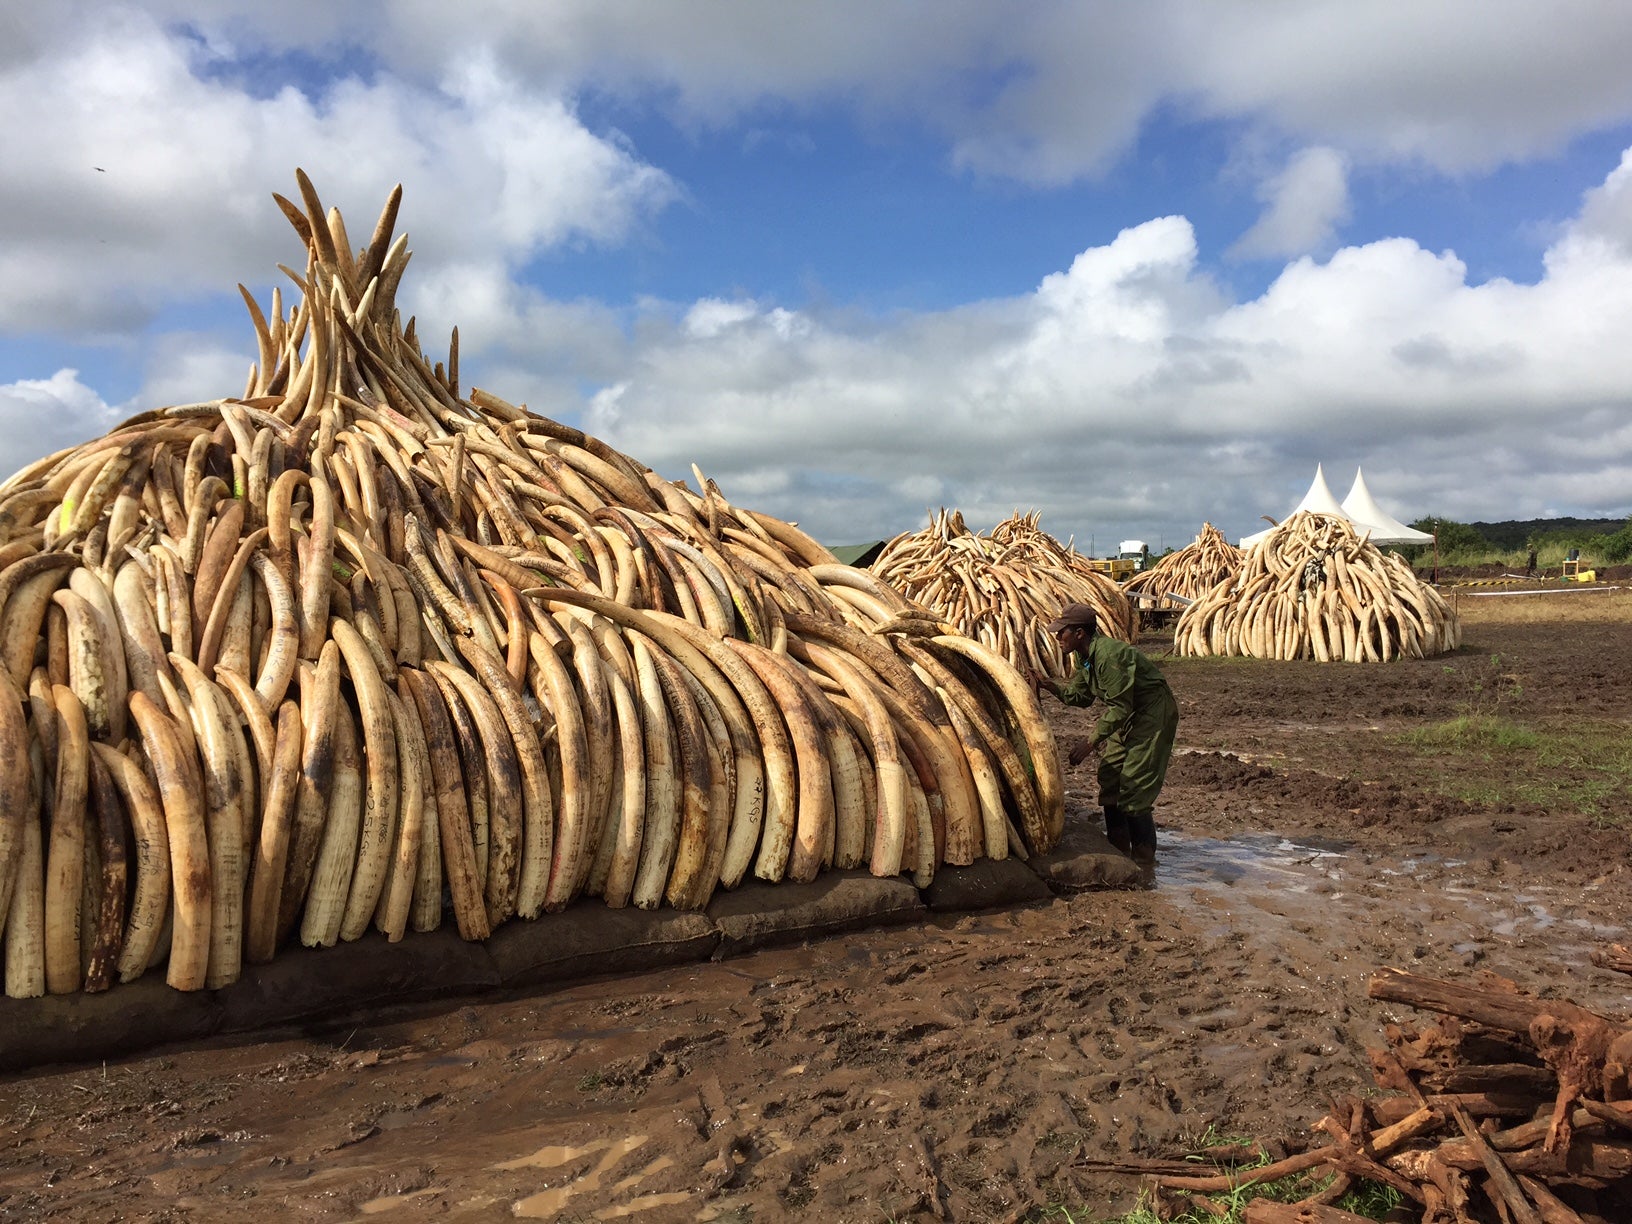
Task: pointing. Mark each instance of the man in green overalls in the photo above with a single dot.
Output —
(1134, 739)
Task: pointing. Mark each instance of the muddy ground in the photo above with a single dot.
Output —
(959, 1069)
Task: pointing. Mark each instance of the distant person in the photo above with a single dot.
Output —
(1134, 739)
(1530, 563)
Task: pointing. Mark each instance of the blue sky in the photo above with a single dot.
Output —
(1135, 267)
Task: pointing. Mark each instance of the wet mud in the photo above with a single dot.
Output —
(953, 1069)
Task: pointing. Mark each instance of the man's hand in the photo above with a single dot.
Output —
(1083, 750)
(1039, 682)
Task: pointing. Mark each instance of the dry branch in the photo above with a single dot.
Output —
(1567, 1158)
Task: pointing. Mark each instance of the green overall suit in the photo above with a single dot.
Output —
(1135, 736)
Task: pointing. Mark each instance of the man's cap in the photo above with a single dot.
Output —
(1076, 614)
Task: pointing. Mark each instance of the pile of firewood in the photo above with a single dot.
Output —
(1509, 1108)
(1003, 587)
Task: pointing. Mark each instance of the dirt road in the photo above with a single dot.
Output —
(954, 1071)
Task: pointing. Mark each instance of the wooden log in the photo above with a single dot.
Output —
(1586, 1051)
(1519, 1208)
(1589, 1162)
(1391, 1074)
(1226, 1183)
(1388, 1110)
(1490, 1104)
(1496, 1080)
(1513, 1013)
(1618, 1115)
(1148, 1168)
(1335, 1189)
(1617, 957)
(1549, 1206)
(1383, 1141)
(1350, 1159)
(1267, 1211)
(1536, 1129)
(1449, 1186)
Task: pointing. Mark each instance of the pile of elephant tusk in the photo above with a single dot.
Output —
(356, 649)
(1002, 588)
(1316, 588)
(1193, 570)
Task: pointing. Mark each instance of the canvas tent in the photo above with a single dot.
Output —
(858, 555)
(1319, 499)
(1385, 529)
(1359, 507)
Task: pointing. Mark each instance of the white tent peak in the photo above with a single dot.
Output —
(1360, 506)
(1319, 499)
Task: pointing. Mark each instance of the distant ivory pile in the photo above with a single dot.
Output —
(1193, 570)
(355, 649)
(1004, 587)
(1316, 588)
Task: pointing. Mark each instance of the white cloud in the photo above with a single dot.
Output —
(1606, 214)
(190, 368)
(1053, 91)
(40, 416)
(1305, 203)
(1047, 92)
(1126, 391)
(140, 175)
(1127, 394)
(1460, 86)
(711, 316)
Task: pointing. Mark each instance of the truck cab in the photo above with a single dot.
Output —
(1137, 551)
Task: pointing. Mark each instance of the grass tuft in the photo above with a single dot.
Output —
(1472, 733)
(1562, 766)
(1368, 1200)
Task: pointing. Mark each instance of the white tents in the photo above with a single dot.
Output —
(1359, 507)
(1385, 529)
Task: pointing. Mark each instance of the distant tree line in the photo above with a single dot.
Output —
(1600, 541)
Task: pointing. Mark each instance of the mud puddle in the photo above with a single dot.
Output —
(952, 1070)
(1272, 888)
(1250, 861)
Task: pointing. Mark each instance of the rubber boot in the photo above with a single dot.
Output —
(1142, 833)
(1116, 829)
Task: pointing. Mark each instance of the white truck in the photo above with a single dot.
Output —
(1134, 550)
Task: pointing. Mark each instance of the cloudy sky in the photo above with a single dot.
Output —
(1131, 266)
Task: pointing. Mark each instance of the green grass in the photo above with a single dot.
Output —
(1368, 1199)
(1472, 734)
(1572, 766)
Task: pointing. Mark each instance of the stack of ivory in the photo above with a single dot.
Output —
(354, 649)
(1002, 588)
(1192, 571)
(1316, 588)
